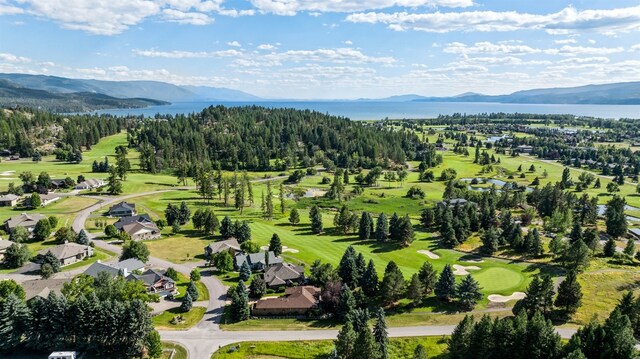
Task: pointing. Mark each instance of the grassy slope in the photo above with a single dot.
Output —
(191, 318)
(398, 348)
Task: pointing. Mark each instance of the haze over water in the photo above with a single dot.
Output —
(358, 110)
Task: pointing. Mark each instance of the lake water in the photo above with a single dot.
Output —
(357, 110)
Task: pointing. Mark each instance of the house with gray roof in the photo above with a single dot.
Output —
(122, 268)
(9, 200)
(257, 261)
(283, 275)
(42, 287)
(156, 282)
(68, 253)
(91, 184)
(25, 220)
(123, 221)
(231, 245)
(122, 209)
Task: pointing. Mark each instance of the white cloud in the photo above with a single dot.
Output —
(564, 21)
(234, 44)
(291, 7)
(191, 18)
(489, 48)
(13, 58)
(635, 47)
(267, 47)
(583, 50)
(338, 55)
(348, 42)
(111, 17)
(565, 41)
(175, 54)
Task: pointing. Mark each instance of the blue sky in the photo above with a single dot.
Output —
(327, 49)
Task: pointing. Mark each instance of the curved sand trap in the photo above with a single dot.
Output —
(497, 298)
(429, 254)
(463, 270)
(7, 173)
(284, 249)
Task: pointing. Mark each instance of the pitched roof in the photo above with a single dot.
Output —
(66, 250)
(149, 277)
(280, 273)
(48, 196)
(123, 221)
(303, 297)
(227, 244)
(9, 197)
(123, 206)
(98, 267)
(257, 258)
(5, 244)
(131, 264)
(42, 287)
(24, 220)
(136, 227)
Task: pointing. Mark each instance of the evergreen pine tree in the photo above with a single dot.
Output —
(468, 292)
(82, 238)
(393, 227)
(380, 334)
(257, 288)
(609, 247)
(245, 271)
(369, 281)
(460, 340)
(316, 220)
(192, 289)
(346, 304)
(445, 287)
(294, 217)
(275, 245)
(382, 228)
(240, 303)
(365, 227)
(489, 241)
(392, 286)
(226, 228)
(415, 291)
(569, 293)
(14, 316)
(346, 341)
(347, 269)
(187, 303)
(420, 352)
(365, 346)
(428, 278)
(630, 248)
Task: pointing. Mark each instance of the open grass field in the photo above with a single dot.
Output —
(183, 283)
(398, 348)
(191, 318)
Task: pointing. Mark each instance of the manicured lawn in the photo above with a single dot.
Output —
(169, 348)
(183, 283)
(398, 348)
(191, 318)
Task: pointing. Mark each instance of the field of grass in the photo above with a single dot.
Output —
(398, 348)
(191, 318)
(183, 283)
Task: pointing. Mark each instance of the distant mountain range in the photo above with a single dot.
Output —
(622, 93)
(129, 89)
(12, 95)
(62, 94)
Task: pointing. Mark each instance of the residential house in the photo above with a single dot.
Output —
(284, 275)
(69, 253)
(231, 245)
(142, 230)
(9, 200)
(123, 268)
(123, 221)
(4, 245)
(296, 301)
(91, 184)
(25, 220)
(122, 209)
(58, 183)
(48, 198)
(156, 282)
(257, 261)
(524, 149)
(42, 287)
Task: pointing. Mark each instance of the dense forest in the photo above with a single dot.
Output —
(251, 137)
(27, 132)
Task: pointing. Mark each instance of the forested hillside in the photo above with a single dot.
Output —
(251, 137)
(26, 132)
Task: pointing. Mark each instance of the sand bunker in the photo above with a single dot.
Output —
(284, 249)
(7, 173)
(429, 254)
(463, 270)
(497, 298)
